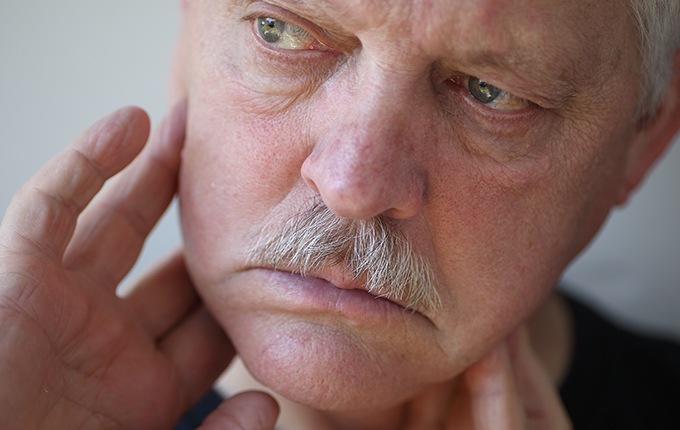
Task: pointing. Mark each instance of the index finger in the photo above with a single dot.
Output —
(41, 217)
(509, 389)
(493, 394)
(112, 231)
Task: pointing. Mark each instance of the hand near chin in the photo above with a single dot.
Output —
(508, 389)
(72, 353)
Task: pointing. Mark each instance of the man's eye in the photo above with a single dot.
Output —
(483, 91)
(492, 96)
(283, 35)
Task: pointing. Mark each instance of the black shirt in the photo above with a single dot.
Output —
(620, 379)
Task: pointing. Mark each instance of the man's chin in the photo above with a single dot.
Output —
(327, 368)
(328, 348)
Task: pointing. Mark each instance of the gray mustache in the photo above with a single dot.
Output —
(374, 252)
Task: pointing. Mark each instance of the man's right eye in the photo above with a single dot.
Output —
(283, 35)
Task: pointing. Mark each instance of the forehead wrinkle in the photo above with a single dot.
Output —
(472, 30)
(561, 43)
(360, 16)
(481, 31)
(519, 40)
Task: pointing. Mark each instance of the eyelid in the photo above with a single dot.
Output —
(504, 95)
(259, 9)
(462, 81)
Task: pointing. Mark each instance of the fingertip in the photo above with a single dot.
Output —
(132, 111)
(168, 138)
(133, 117)
(493, 392)
(113, 141)
(136, 122)
(181, 106)
(269, 407)
(518, 343)
(491, 363)
(176, 120)
(252, 410)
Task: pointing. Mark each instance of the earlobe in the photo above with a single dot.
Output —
(653, 137)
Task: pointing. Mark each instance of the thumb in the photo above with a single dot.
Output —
(245, 411)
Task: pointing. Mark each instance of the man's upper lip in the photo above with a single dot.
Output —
(336, 276)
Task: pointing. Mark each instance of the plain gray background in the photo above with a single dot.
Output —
(65, 64)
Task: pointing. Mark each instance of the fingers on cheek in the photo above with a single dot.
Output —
(168, 139)
(111, 232)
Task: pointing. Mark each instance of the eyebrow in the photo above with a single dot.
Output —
(551, 81)
(321, 16)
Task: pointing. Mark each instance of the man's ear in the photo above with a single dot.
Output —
(653, 136)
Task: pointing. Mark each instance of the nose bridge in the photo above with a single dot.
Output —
(364, 163)
(382, 101)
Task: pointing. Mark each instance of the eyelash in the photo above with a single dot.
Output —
(462, 84)
(290, 19)
(466, 111)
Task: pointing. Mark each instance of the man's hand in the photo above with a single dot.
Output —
(72, 353)
(508, 389)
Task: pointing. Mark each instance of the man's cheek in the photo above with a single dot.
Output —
(244, 154)
(262, 86)
(261, 99)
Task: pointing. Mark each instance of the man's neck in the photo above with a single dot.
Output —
(551, 335)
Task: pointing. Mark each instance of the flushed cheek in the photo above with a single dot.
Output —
(504, 239)
(233, 174)
(498, 248)
(248, 152)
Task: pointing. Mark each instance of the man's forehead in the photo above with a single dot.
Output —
(447, 25)
(438, 13)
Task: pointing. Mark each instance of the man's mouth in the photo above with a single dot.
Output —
(342, 279)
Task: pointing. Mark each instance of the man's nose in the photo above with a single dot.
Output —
(367, 160)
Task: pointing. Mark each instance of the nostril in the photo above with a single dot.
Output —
(363, 178)
(307, 175)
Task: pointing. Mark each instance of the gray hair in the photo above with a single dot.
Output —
(371, 251)
(658, 23)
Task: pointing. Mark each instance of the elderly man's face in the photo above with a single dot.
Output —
(486, 141)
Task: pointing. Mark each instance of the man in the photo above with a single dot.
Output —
(377, 200)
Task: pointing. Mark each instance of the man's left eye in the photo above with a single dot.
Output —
(283, 35)
(492, 96)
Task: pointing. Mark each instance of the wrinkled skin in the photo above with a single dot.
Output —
(372, 115)
(72, 353)
(375, 116)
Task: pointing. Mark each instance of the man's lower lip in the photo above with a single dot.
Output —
(310, 295)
